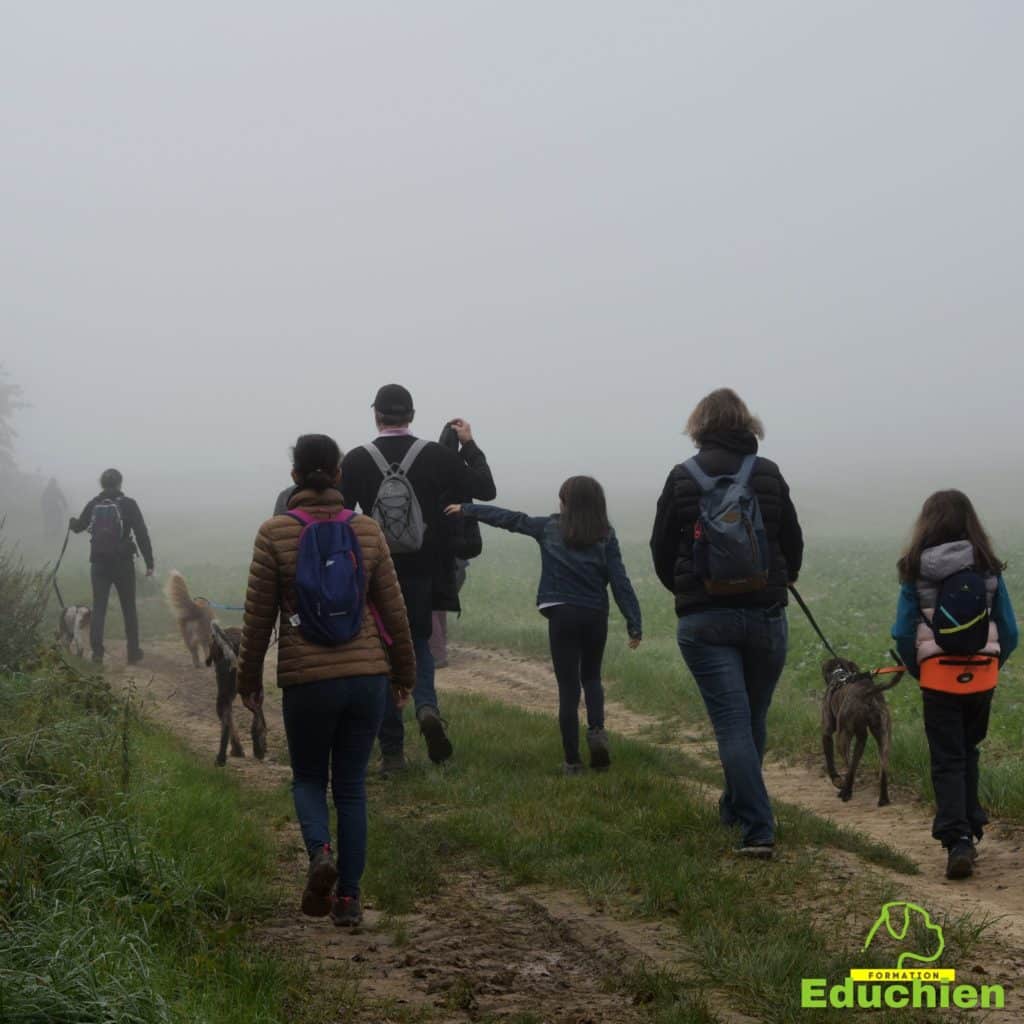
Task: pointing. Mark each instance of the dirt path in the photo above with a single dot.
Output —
(995, 893)
(480, 950)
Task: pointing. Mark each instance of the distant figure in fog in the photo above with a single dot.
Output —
(55, 510)
(955, 628)
(117, 533)
(334, 693)
(580, 559)
(726, 542)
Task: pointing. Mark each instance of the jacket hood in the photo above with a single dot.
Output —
(741, 441)
(945, 559)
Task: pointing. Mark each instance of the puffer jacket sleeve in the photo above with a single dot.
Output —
(262, 603)
(386, 595)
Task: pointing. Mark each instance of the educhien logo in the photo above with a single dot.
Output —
(902, 987)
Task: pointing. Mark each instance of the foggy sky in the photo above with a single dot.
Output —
(226, 224)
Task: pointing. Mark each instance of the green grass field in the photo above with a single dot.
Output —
(851, 588)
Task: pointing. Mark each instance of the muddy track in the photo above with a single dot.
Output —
(479, 950)
(995, 893)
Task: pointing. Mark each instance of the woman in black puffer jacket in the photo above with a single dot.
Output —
(733, 643)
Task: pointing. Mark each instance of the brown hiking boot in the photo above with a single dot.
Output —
(439, 747)
(346, 911)
(316, 900)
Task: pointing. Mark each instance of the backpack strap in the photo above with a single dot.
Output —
(300, 515)
(412, 454)
(702, 480)
(746, 470)
(706, 483)
(378, 457)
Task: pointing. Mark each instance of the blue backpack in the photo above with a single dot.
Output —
(330, 582)
(730, 546)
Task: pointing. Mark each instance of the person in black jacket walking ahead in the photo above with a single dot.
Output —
(118, 533)
(734, 643)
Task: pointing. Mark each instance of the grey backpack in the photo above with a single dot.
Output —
(396, 507)
(730, 546)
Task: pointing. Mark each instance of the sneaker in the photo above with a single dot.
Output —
(346, 911)
(392, 764)
(960, 863)
(439, 747)
(135, 657)
(573, 768)
(316, 900)
(597, 742)
(756, 851)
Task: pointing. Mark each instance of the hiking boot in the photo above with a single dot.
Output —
(392, 764)
(135, 657)
(346, 911)
(316, 900)
(960, 863)
(573, 768)
(600, 756)
(439, 747)
(756, 851)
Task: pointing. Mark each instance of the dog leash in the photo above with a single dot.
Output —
(224, 607)
(810, 618)
(53, 575)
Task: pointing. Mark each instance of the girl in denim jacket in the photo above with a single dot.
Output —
(580, 559)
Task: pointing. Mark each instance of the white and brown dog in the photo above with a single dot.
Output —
(73, 628)
(194, 616)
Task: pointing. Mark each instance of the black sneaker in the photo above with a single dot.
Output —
(439, 747)
(316, 900)
(346, 911)
(573, 768)
(135, 657)
(756, 851)
(960, 863)
(392, 764)
(597, 743)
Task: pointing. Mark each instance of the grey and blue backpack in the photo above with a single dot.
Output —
(730, 546)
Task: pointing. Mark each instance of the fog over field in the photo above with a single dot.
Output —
(227, 224)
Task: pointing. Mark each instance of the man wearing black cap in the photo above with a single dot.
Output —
(433, 472)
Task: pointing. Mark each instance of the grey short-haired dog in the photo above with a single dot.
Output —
(224, 645)
(854, 705)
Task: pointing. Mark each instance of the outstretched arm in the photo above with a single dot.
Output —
(622, 590)
(503, 519)
(262, 604)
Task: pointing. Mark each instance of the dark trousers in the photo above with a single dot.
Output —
(418, 592)
(955, 724)
(331, 725)
(119, 573)
(577, 637)
(736, 656)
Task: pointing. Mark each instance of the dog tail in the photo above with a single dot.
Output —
(894, 679)
(178, 597)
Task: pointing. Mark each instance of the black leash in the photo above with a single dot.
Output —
(53, 575)
(810, 618)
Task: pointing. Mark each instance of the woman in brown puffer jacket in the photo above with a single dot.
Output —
(334, 696)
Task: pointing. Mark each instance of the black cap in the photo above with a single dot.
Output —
(393, 400)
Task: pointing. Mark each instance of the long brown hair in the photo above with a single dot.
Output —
(584, 519)
(947, 516)
(720, 412)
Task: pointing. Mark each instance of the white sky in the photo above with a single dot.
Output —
(226, 224)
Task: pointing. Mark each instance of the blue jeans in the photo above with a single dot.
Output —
(331, 725)
(736, 656)
(418, 592)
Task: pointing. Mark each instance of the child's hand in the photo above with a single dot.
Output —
(634, 642)
(453, 510)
